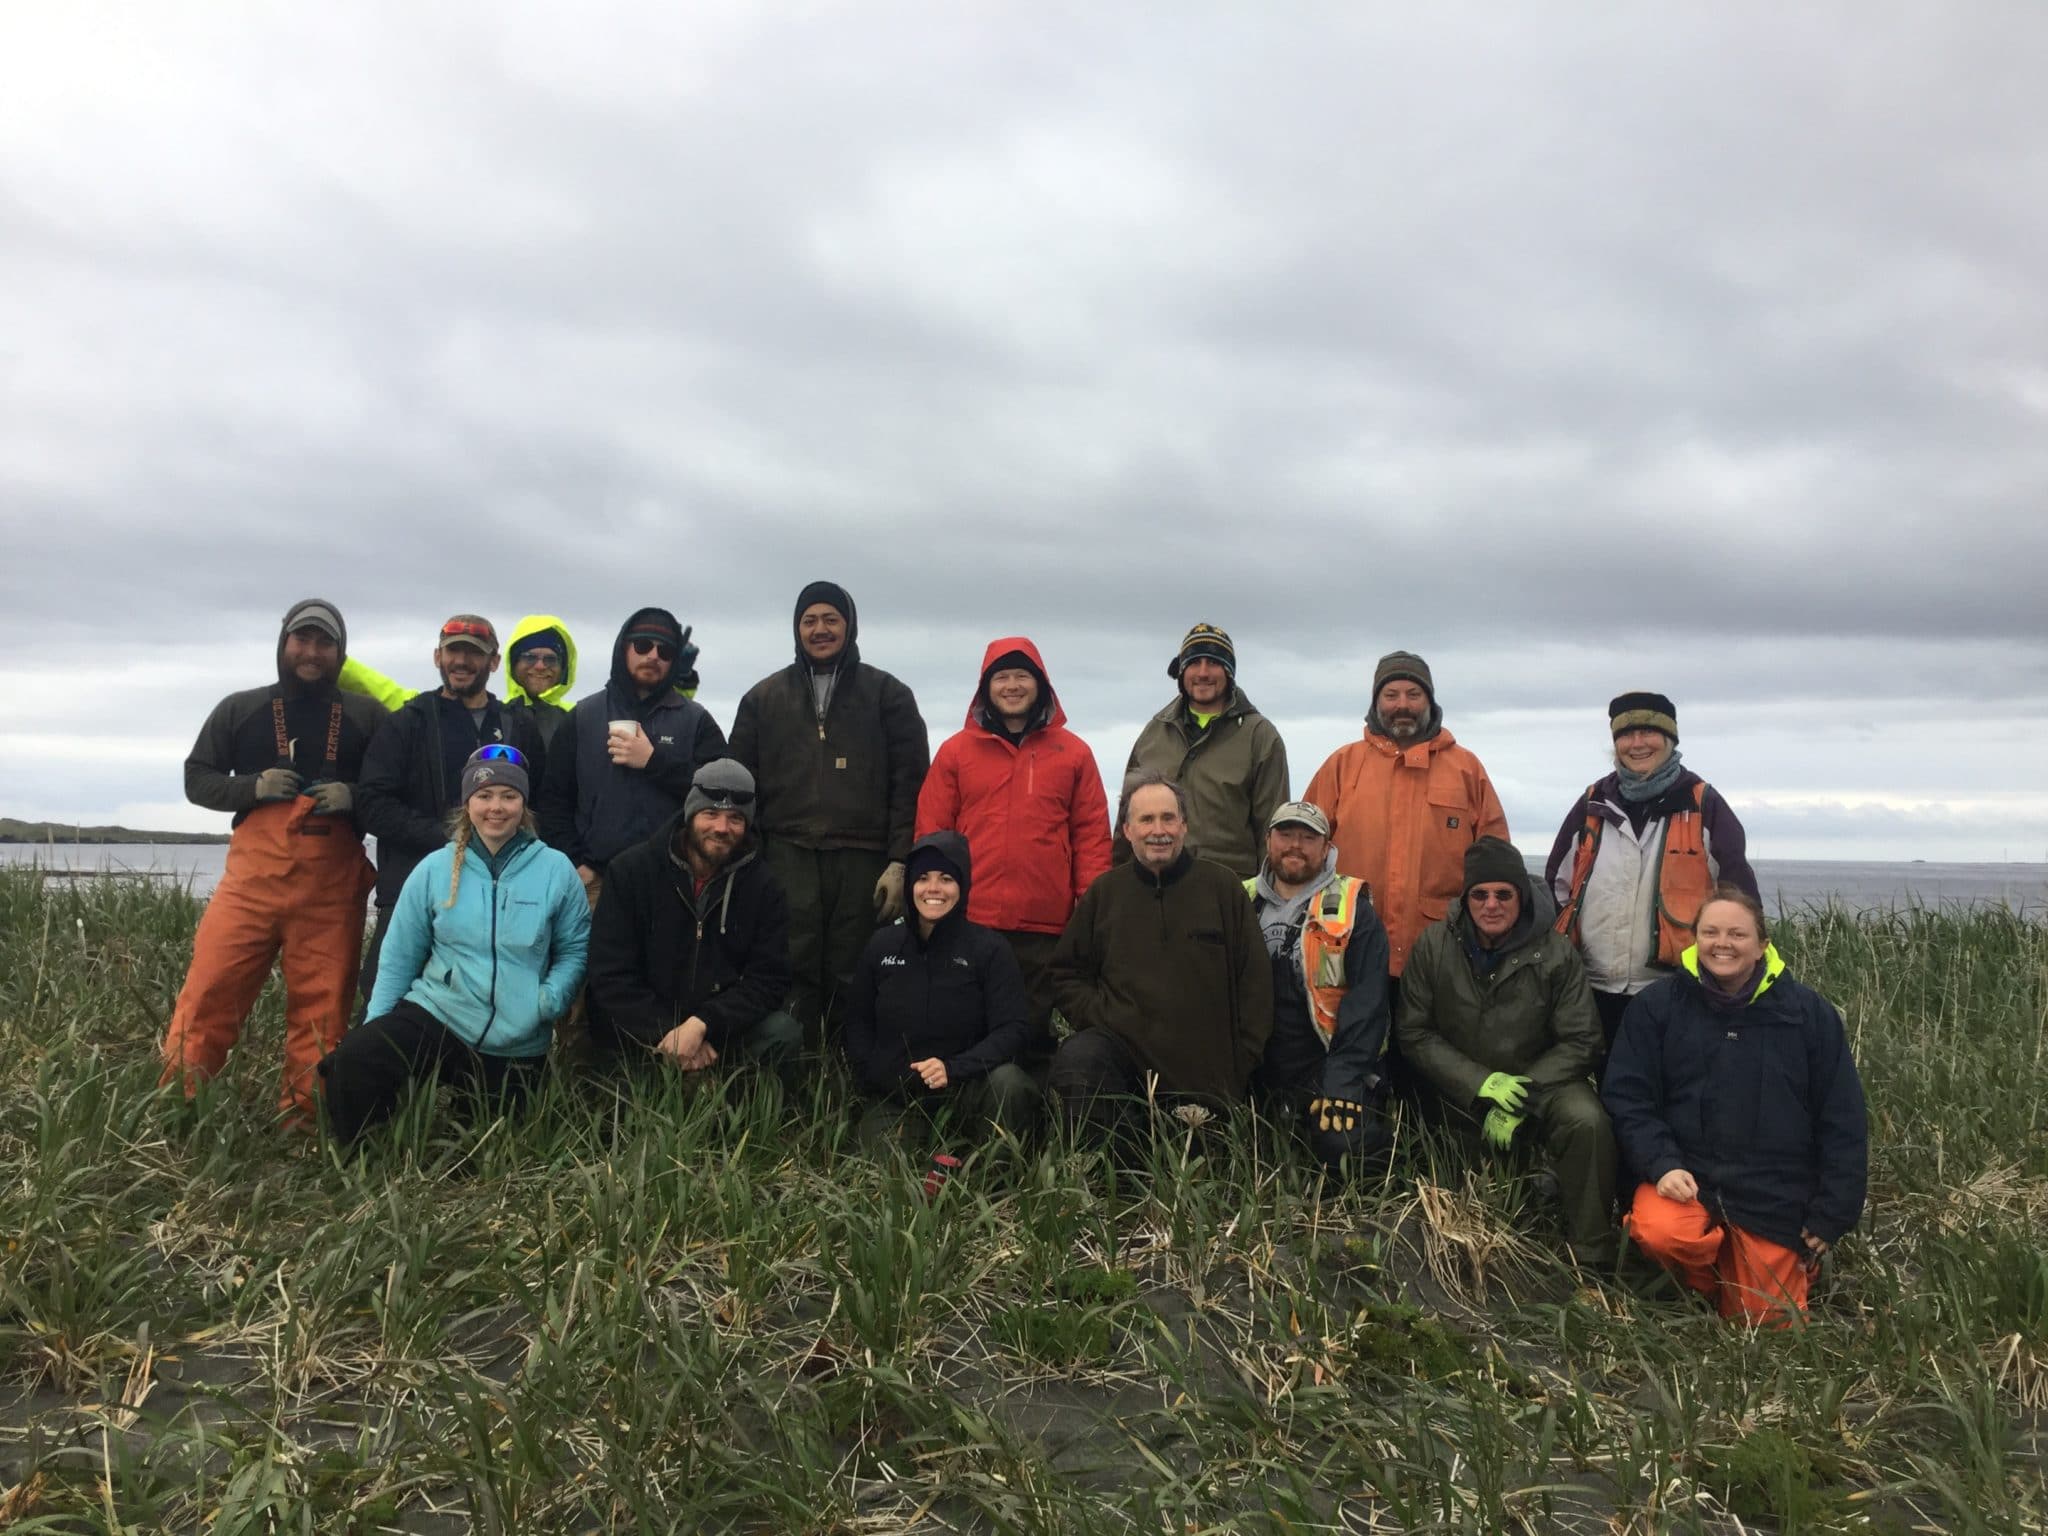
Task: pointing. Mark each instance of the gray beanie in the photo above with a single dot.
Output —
(494, 765)
(721, 785)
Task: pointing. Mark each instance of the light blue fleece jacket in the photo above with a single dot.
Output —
(501, 965)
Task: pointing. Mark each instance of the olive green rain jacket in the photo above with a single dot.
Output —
(1234, 775)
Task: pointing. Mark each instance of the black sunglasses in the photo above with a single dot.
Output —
(660, 648)
(729, 799)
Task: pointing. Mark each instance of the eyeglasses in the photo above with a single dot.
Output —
(497, 753)
(661, 648)
(1479, 896)
(539, 659)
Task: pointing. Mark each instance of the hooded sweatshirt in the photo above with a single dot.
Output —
(594, 809)
(1297, 1058)
(1030, 806)
(501, 965)
(661, 950)
(957, 995)
(324, 731)
(1174, 966)
(549, 711)
(837, 755)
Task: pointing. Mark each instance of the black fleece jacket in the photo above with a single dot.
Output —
(958, 995)
(661, 951)
(1175, 967)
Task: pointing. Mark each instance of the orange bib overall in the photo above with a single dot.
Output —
(297, 883)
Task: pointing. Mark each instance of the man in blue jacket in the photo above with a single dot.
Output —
(621, 767)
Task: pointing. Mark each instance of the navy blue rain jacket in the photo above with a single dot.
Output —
(1761, 1103)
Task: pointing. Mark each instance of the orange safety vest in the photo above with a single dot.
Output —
(1683, 878)
(1325, 930)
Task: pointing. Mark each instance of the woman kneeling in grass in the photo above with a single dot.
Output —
(937, 1011)
(1733, 1092)
(486, 950)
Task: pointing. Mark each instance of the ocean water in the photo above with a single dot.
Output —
(1787, 884)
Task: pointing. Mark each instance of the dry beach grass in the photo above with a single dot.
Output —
(670, 1310)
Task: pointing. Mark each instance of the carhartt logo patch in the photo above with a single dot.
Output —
(1451, 822)
(838, 762)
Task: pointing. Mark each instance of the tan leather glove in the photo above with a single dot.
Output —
(889, 893)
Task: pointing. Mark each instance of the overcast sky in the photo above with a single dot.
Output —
(1581, 348)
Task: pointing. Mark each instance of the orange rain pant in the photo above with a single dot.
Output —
(294, 882)
(1750, 1277)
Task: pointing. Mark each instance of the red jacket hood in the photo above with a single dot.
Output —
(1055, 715)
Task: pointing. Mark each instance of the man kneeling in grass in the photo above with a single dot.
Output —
(1498, 1021)
(689, 950)
(1324, 1071)
(1163, 975)
(936, 1014)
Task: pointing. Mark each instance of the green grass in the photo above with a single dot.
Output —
(675, 1310)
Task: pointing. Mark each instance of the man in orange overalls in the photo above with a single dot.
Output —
(284, 759)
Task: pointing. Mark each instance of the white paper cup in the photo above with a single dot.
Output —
(623, 729)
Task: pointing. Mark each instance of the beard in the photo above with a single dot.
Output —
(465, 690)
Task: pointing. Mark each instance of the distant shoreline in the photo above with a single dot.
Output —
(12, 831)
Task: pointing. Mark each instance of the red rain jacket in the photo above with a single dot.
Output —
(1034, 815)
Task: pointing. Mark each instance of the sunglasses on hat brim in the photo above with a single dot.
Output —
(727, 799)
(498, 753)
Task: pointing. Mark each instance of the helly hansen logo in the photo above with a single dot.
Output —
(666, 741)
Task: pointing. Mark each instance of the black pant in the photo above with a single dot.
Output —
(1610, 1006)
(1034, 952)
(1099, 1084)
(1005, 1097)
(831, 894)
(363, 1078)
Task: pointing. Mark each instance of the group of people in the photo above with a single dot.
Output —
(819, 881)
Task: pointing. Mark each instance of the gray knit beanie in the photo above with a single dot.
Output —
(721, 785)
(494, 765)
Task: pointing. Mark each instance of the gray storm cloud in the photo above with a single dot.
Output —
(1583, 349)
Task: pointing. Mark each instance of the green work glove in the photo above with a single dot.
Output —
(277, 784)
(1509, 1092)
(1499, 1128)
(332, 799)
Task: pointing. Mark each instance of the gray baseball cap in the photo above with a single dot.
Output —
(1299, 813)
